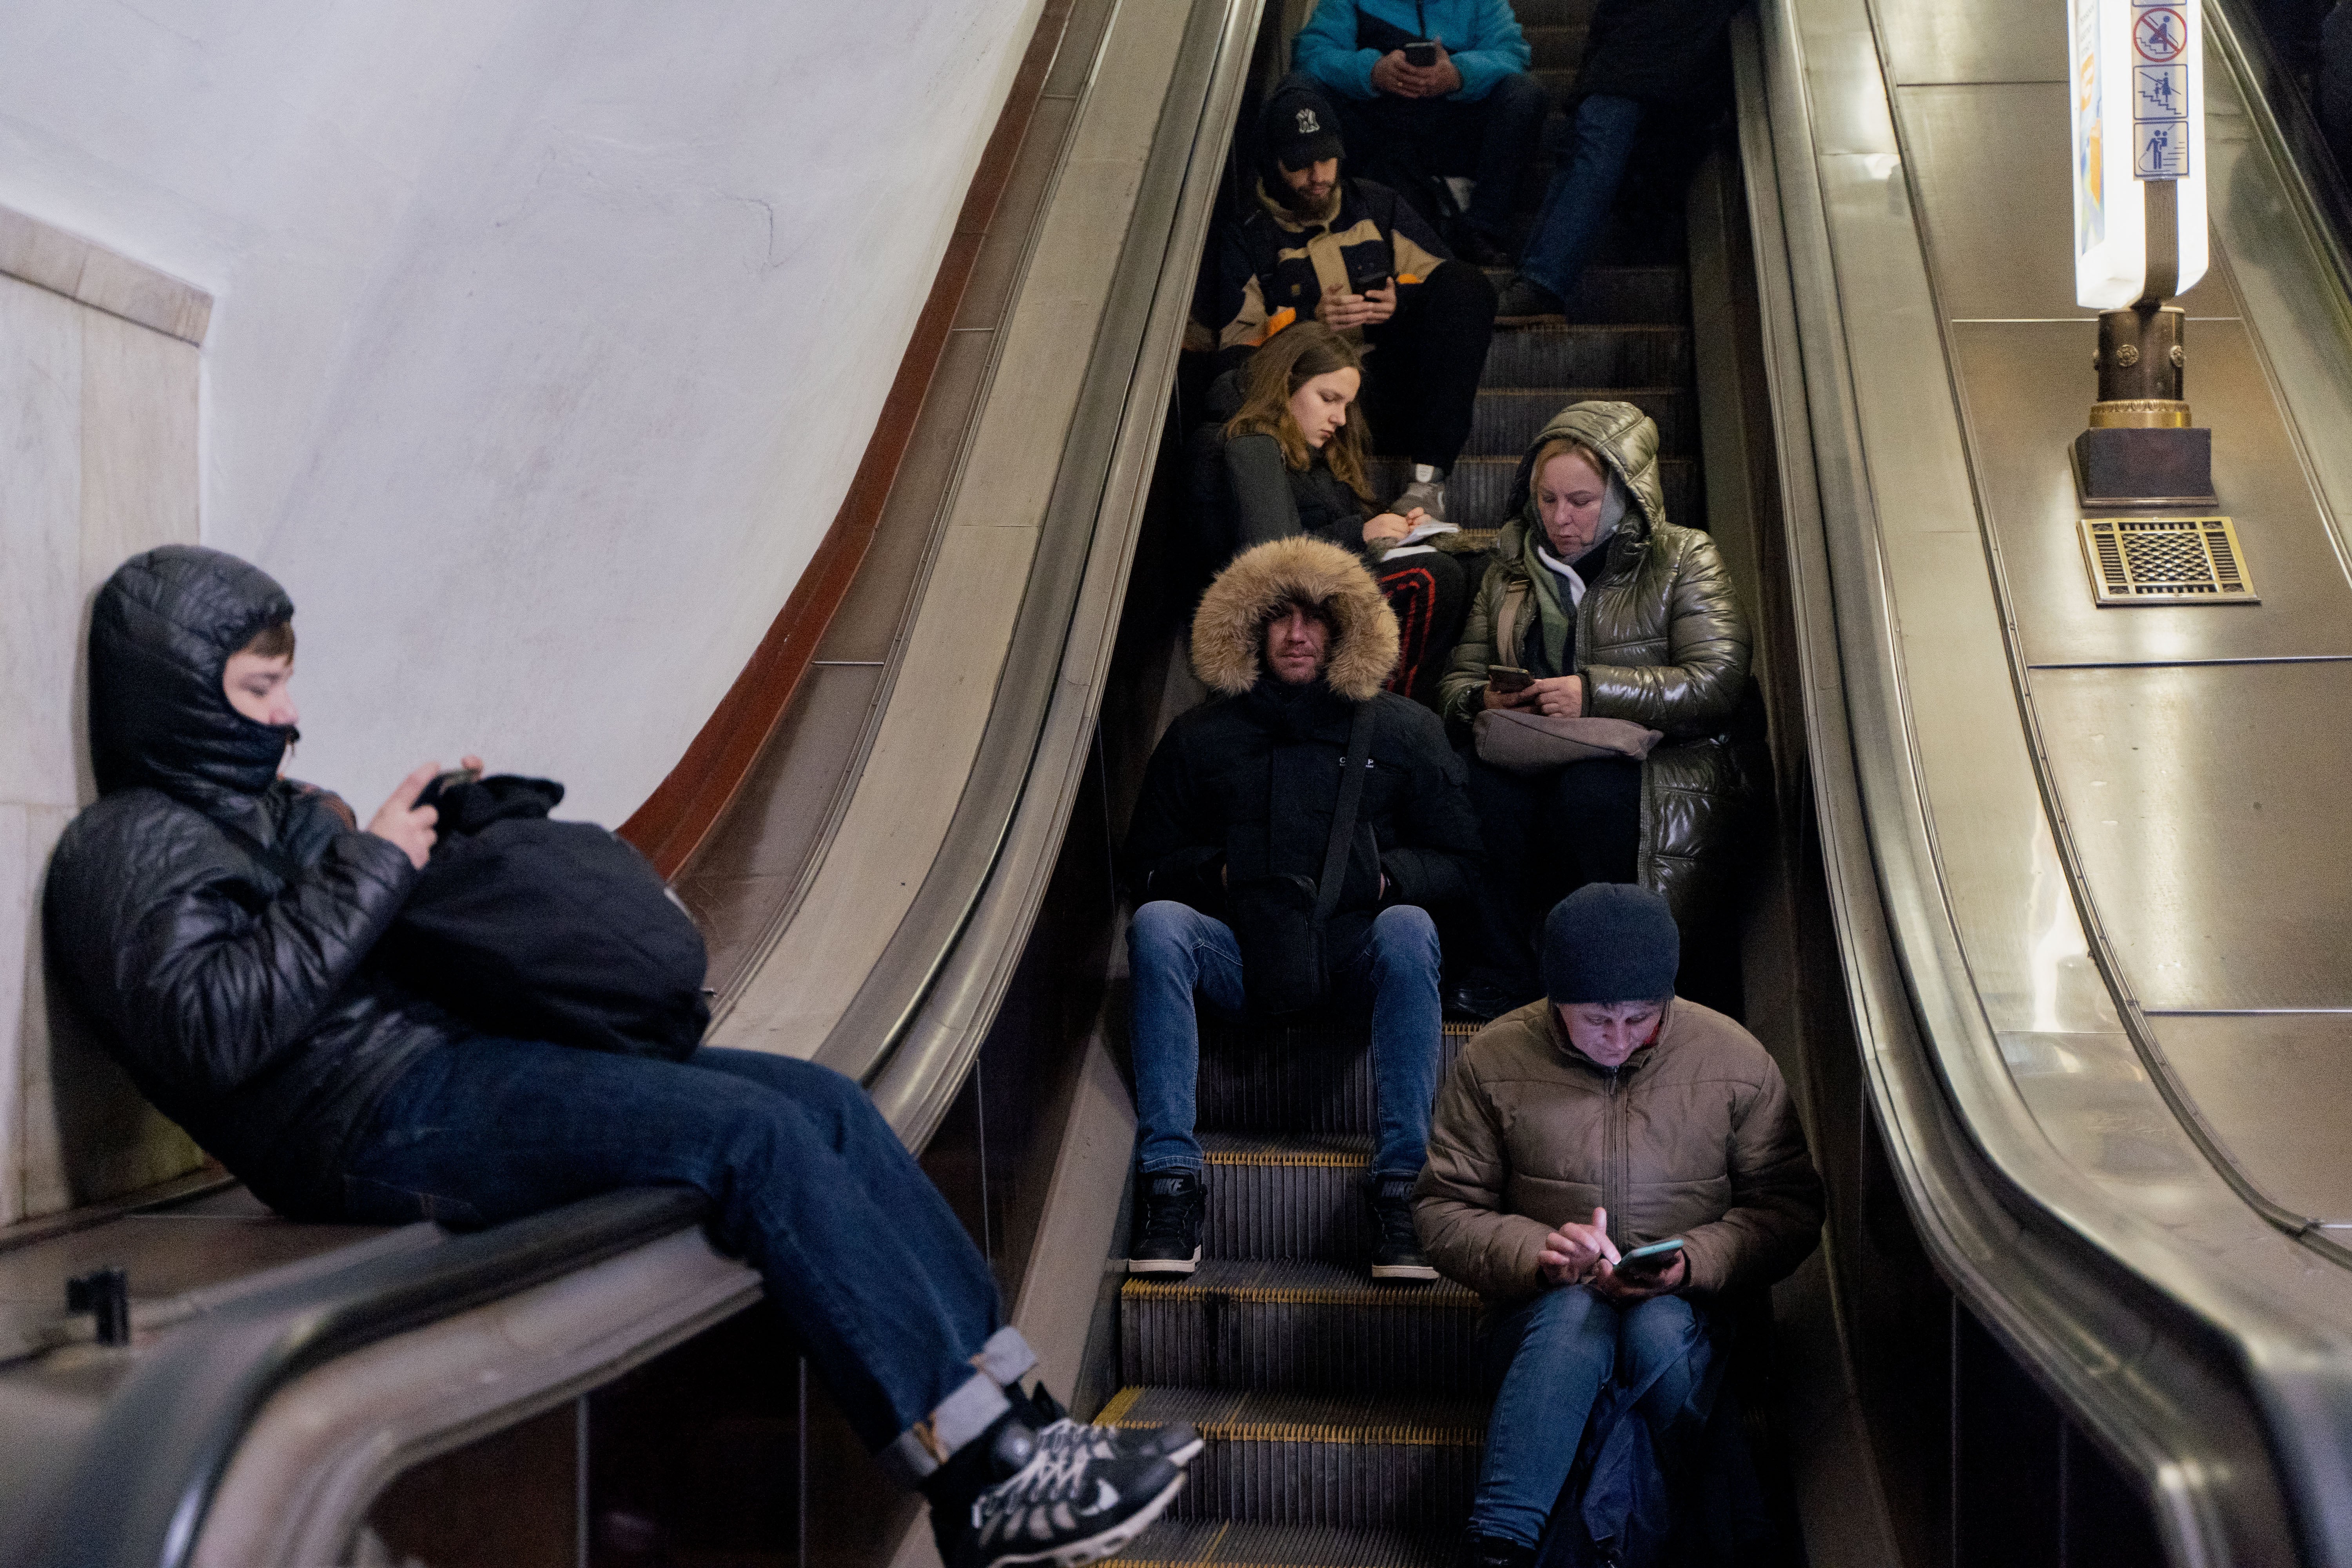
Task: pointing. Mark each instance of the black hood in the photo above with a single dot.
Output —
(160, 635)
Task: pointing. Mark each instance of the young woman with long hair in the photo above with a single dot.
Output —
(1288, 456)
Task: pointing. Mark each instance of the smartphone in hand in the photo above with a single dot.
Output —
(1510, 679)
(1421, 55)
(1644, 1264)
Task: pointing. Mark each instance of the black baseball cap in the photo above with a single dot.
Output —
(1298, 128)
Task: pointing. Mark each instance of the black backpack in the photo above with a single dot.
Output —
(547, 931)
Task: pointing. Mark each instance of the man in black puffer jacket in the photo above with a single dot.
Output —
(213, 922)
(1226, 856)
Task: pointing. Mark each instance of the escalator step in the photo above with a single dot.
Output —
(1645, 294)
(1616, 355)
(1479, 488)
(1505, 420)
(1274, 1197)
(1189, 1542)
(1312, 1078)
(1553, 12)
(1556, 45)
(1319, 1327)
(1356, 1460)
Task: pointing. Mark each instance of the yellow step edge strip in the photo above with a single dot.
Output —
(1366, 1294)
(1287, 1157)
(1391, 1434)
(1121, 1404)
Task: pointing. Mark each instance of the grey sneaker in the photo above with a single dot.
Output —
(1524, 302)
(1427, 491)
(1085, 1492)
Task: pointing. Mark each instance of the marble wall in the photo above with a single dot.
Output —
(98, 460)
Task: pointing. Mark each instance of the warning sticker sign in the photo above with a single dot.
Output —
(2159, 34)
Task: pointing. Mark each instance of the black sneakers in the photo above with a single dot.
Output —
(1085, 1492)
(1396, 1252)
(1169, 1208)
(1492, 1552)
(1524, 302)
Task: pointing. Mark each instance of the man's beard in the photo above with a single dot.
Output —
(1307, 203)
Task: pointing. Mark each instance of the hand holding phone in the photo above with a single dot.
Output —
(1644, 1264)
(1508, 678)
(1421, 55)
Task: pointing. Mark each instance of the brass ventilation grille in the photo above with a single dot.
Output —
(2165, 561)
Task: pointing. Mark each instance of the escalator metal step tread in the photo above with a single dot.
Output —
(1196, 1544)
(1296, 1325)
(1619, 354)
(1264, 1415)
(1312, 1078)
(1275, 1197)
(1505, 420)
(1478, 489)
(1354, 1459)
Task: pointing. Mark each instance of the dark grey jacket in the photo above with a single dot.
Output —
(208, 920)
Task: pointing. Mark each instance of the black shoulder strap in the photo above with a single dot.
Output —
(1343, 820)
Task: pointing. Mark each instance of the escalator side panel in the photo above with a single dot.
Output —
(1942, 787)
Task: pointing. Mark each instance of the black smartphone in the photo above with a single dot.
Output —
(1508, 677)
(1421, 55)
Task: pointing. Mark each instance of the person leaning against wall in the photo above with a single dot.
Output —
(213, 921)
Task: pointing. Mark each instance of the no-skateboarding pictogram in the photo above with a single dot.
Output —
(2159, 34)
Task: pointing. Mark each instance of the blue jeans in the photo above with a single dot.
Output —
(1559, 1348)
(1577, 205)
(891, 1301)
(1175, 953)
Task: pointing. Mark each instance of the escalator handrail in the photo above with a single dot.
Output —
(2061, 1274)
(915, 1027)
(138, 1494)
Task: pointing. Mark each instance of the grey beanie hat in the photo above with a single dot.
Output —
(1611, 941)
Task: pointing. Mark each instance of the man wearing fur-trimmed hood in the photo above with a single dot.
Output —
(1291, 835)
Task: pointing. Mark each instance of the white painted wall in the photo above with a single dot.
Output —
(546, 336)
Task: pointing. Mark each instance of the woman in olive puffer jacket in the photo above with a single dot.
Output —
(1617, 614)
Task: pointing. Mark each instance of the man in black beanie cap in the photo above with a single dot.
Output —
(1608, 1117)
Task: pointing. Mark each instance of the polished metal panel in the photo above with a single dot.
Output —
(2026, 386)
(2165, 561)
(1973, 43)
(1954, 900)
(2205, 805)
(1988, 163)
(2093, 1097)
(2274, 1091)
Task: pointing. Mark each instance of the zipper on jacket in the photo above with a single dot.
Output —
(1613, 1185)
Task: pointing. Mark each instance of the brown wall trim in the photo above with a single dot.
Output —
(681, 810)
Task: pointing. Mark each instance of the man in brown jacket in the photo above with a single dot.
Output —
(1610, 1116)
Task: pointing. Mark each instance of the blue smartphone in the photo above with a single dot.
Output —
(1650, 1259)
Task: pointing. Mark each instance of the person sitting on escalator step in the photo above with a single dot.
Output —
(1259, 894)
(213, 921)
(1314, 245)
(1608, 1115)
(1286, 455)
(1431, 91)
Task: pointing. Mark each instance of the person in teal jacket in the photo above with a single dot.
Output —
(1462, 103)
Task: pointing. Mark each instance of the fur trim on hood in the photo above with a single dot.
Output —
(1229, 630)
